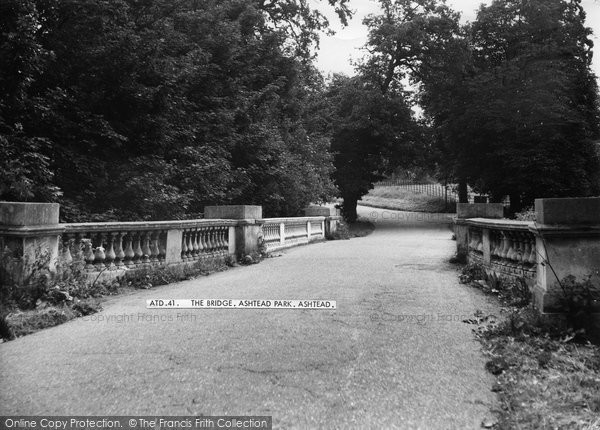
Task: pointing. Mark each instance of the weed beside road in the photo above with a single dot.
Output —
(547, 370)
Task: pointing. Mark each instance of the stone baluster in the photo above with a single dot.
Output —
(518, 248)
(99, 254)
(505, 246)
(119, 253)
(225, 240)
(196, 244)
(526, 248)
(110, 251)
(203, 241)
(218, 244)
(77, 248)
(209, 240)
(221, 239)
(137, 249)
(192, 233)
(533, 253)
(495, 243)
(88, 254)
(190, 244)
(215, 236)
(518, 252)
(129, 259)
(162, 246)
(146, 252)
(200, 242)
(183, 245)
(154, 250)
(510, 249)
(66, 241)
(510, 253)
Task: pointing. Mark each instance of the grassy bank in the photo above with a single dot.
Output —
(401, 199)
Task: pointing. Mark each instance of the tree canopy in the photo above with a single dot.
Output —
(151, 109)
(510, 98)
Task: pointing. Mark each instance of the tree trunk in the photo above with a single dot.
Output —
(349, 208)
(516, 205)
(463, 192)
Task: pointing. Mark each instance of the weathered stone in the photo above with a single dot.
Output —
(233, 212)
(28, 214)
(320, 211)
(571, 211)
(479, 210)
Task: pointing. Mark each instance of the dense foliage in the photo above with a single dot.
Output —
(510, 98)
(151, 109)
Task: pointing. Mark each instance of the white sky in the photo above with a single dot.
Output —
(336, 52)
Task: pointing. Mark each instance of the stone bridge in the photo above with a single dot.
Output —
(393, 354)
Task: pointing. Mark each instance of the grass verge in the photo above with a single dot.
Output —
(24, 311)
(547, 373)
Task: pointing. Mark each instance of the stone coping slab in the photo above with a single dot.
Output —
(498, 224)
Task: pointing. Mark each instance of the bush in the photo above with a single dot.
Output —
(527, 214)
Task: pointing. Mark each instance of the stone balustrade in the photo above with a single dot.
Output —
(108, 246)
(505, 248)
(279, 233)
(564, 241)
(30, 234)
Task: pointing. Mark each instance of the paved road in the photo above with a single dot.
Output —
(393, 355)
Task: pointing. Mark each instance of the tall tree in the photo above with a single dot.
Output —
(373, 132)
(536, 128)
(511, 98)
(152, 109)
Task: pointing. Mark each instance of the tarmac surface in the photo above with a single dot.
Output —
(395, 353)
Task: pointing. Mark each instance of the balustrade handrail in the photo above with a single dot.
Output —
(296, 220)
(498, 224)
(147, 225)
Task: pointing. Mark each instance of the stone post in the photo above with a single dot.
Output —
(248, 228)
(567, 234)
(331, 217)
(29, 239)
(472, 210)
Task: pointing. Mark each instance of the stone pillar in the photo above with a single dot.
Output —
(248, 228)
(232, 243)
(29, 239)
(567, 243)
(472, 210)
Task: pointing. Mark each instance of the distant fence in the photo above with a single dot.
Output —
(447, 192)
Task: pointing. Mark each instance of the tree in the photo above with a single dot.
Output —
(152, 109)
(24, 168)
(372, 133)
(511, 98)
(533, 64)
